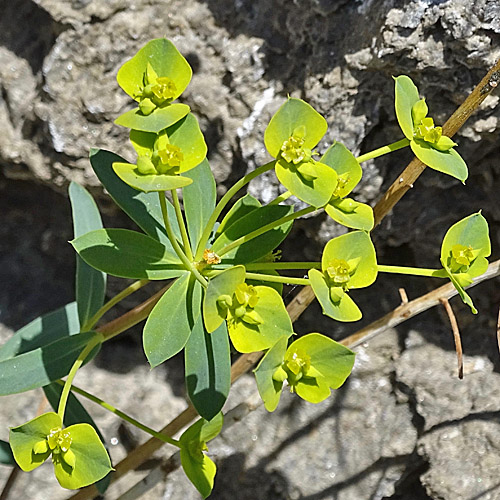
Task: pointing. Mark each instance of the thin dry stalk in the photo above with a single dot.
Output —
(456, 336)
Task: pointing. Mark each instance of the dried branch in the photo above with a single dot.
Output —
(498, 330)
(456, 336)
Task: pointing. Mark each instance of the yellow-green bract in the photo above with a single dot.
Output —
(293, 131)
(463, 253)
(426, 141)
(312, 366)
(78, 455)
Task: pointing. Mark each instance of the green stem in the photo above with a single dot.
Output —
(384, 150)
(112, 302)
(265, 229)
(264, 266)
(178, 250)
(416, 271)
(182, 225)
(224, 201)
(287, 280)
(76, 365)
(282, 197)
(124, 416)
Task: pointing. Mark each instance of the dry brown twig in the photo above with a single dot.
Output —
(456, 336)
(302, 300)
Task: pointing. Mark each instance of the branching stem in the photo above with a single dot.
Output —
(264, 229)
(224, 201)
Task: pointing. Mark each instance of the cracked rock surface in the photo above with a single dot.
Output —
(403, 427)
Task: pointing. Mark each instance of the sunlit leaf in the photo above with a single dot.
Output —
(406, 95)
(449, 162)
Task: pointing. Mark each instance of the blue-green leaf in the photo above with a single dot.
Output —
(172, 320)
(90, 283)
(199, 200)
(42, 330)
(260, 246)
(242, 207)
(43, 365)
(6, 456)
(143, 208)
(208, 369)
(128, 254)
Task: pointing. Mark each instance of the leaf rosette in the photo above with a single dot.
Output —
(293, 132)
(427, 141)
(348, 261)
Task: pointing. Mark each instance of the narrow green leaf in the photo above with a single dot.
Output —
(223, 284)
(166, 61)
(208, 369)
(42, 330)
(127, 254)
(199, 200)
(158, 120)
(172, 320)
(294, 113)
(143, 208)
(314, 192)
(449, 162)
(406, 95)
(351, 213)
(343, 310)
(270, 389)
(242, 207)
(90, 283)
(42, 365)
(349, 171)
(6, 456)
(260, 246)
